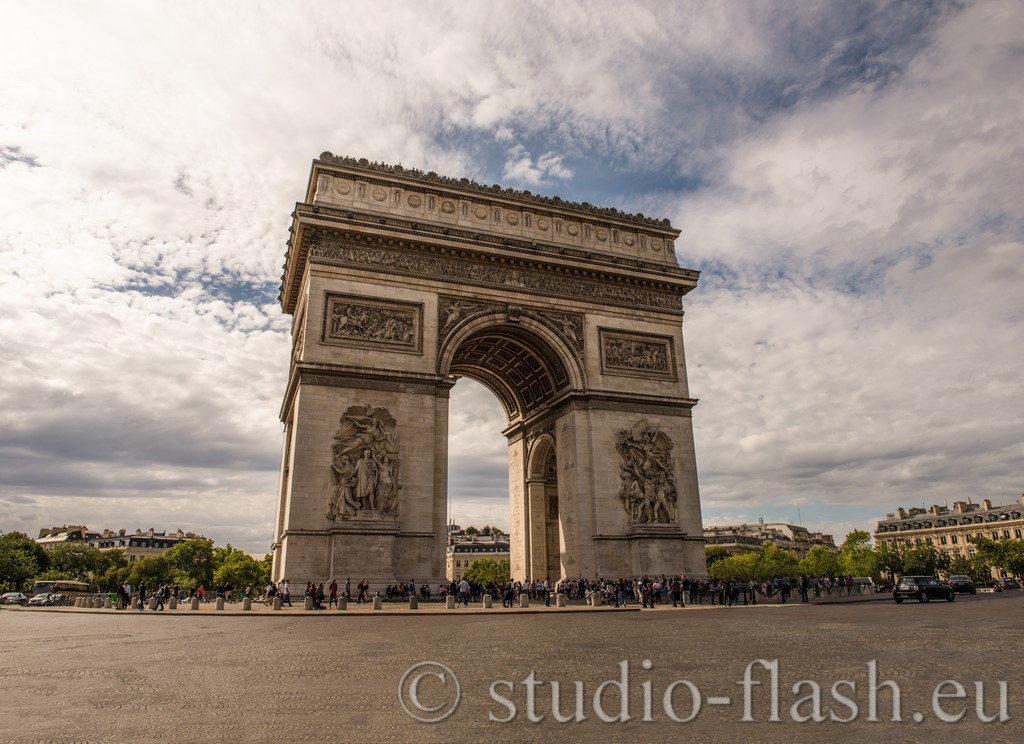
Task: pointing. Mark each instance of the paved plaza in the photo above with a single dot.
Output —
(107, 676)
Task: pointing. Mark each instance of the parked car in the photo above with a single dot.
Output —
(1007, 584)
(922, 588)
(14, 598)
(40, 600)
(961, 583)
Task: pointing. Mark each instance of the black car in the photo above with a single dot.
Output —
(922, 588)
(1009, 583)
(961, 583)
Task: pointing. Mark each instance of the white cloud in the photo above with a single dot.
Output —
(856, 214)
(521, 169)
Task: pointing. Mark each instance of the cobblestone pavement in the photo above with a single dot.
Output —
(294, 676)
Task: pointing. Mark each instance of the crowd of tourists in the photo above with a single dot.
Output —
(137, 597)
(646, 591)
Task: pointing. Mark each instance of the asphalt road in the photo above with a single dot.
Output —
(283, 677)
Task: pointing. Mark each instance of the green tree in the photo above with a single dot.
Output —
(240, 570)
(924, 559)
(713, 554)
(76, 560)
(736, 567)
(21, 559)
(889, 559)
(856, 557)
(112, 576)
(776, 562)
(1006, 554)
(191, 563)
(471, 530)
(154, 570)
(487, 570)
(820, 561)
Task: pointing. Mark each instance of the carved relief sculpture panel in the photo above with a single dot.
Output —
(647, 474)
(358, 321)
(365, 460)
(637, 355)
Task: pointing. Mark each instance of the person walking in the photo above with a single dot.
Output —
(142, 596)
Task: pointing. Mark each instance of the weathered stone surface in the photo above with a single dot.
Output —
(401, 283)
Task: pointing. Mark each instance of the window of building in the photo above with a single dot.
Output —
(995, 534)
(928, 540)
(955, 540)
(942, 540)
(1016, 533)
(1006, 534)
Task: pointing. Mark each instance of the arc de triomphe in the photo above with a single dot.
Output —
(399, 283)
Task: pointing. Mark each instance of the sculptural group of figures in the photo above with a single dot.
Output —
(635, 354)
(364, 464)
(648, 490)
(370, 323)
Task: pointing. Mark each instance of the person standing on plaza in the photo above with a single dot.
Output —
(286, 593)
(464, 592)
(161, 593)
(333, 594)
(348, 589)
(142, 596)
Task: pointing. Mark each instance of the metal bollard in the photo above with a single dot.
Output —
(488, 602)
(414, 602)
(378, 603)
(220, 603)
(246, 604)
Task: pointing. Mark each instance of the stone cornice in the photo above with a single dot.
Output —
(312, 230)
(496, 190)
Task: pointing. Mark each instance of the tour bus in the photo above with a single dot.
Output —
(62, 586)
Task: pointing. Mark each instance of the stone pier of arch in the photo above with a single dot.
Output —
(399, 283)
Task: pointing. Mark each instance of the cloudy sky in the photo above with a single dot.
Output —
(847, 176)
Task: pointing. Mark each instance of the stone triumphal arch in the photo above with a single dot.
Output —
(399, 283)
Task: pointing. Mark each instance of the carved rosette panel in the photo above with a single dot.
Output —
(647, 474)
(359, 321)
(637, 355)
(455, 270)
(365, 465)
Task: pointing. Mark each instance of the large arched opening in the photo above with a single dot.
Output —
(529, 371)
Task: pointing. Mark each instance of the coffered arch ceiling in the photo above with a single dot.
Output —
(518, 366)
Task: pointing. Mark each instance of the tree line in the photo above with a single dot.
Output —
(189, 564)
(857, 557)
